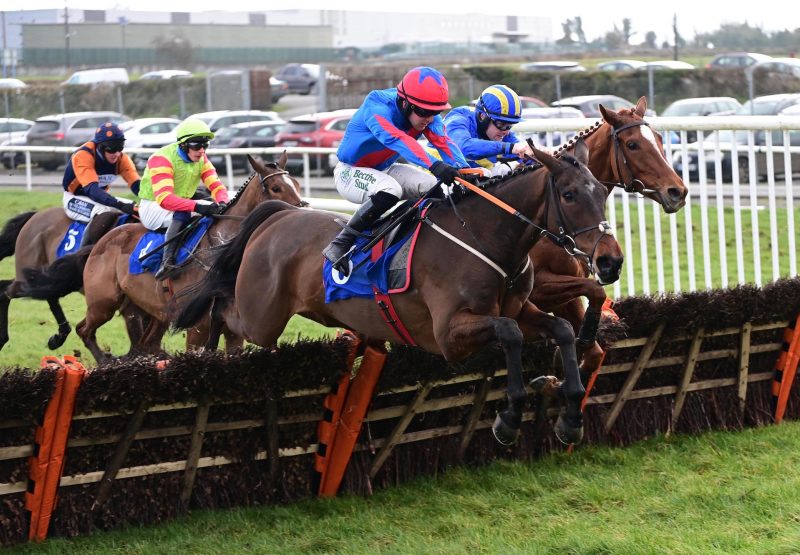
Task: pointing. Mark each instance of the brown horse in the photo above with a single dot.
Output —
(108, 283)
(624, 153)
(459, 300)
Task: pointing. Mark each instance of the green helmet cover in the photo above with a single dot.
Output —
(192, 128)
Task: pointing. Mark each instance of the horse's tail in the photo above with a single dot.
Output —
(10, 232)
(220, 281)
(62, 277)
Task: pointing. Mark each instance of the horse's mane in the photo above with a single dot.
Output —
(241, 189)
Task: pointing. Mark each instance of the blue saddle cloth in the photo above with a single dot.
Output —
(360, 282)
(74, 236)
(152, 239)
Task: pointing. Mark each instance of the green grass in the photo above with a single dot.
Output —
(717, 493)
(31, 323)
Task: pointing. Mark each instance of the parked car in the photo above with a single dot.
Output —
(736, 60)
(554, 65)
(620, 65)
(301, 78)
(70, 129)
(549, 112)
(148, 133)
(167, 74)
(12, 133)
(785, 66)
(769, 105)
(250, 134)
(108, 75)
(665, 64)
(278, 89)
(589, 104)
(12, 83)
(323, 129)
(703, 106)
(222, 118)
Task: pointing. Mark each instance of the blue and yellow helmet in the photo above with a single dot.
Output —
(500, 103)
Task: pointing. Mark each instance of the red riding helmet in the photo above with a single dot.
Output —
(424, 87)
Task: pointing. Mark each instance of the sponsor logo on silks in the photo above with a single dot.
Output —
(345, 175)
(338, 278)
(106, 179)
(80, 206)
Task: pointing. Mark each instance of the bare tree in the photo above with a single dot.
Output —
(627, 30)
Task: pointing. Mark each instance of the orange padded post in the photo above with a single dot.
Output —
(47, 465)
(352, 416)
(785, 369)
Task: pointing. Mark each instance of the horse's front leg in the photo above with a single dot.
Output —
(534, 324)
(465, 333)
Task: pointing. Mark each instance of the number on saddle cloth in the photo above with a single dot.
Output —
(153, 239)
(73, 238)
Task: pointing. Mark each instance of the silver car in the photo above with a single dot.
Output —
(12, 133)
(70, 129)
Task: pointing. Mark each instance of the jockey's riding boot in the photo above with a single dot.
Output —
(98, 226)
(366, 215)
(170, 249)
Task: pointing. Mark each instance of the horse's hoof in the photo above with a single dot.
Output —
(566, 433)
(504, 433)
(56, 341)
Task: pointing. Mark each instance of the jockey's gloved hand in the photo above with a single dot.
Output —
(444, 172)
(208, 209)
(127, 207)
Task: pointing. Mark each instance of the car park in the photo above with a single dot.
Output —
(549, 112)
(736, 60)
(620, 65)
(12, 133)
(12, 83)
(553, 65)
(665, 64)
(323, 129)
(70, 129)
(589, 104)
(277, 88)
(250, 134)
(702, 106)
(148, 133)
(769, 105)
(222, 118)
(166, 74)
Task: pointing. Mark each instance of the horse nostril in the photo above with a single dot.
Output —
(609, 265)
(676, 194)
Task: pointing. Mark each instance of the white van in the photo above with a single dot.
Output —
(99, 76)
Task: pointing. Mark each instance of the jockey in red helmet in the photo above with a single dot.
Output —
(386, 127)
(90, 171)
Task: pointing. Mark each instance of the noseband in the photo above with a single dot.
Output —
(635, 185)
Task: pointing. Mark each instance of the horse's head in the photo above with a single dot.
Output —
(276, 183)
(575, 213)
(637, 158)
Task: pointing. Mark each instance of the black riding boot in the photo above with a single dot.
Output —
(99, 225)
(366, 215)
(170, 250)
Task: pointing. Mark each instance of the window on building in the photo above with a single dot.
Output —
(179, 17)
(94, 16)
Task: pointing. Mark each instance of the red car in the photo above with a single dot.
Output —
(323, 129)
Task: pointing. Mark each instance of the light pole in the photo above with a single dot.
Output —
(66, 35)
(123, 22)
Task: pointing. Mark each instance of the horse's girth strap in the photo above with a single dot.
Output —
(386, 307)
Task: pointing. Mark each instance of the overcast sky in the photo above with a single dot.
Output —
(598, 17)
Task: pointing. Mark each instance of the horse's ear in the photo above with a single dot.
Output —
(550, 162)
(581, 152)
(641, 107)
(257, 166)
(282, 160)
(609, 116)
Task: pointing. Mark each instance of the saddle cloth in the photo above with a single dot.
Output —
(152, 239)
(390, 273)
(74, 236)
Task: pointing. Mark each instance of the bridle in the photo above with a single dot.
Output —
(263, 181)
(635, 185)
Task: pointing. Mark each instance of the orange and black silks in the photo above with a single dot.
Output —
(47, 462)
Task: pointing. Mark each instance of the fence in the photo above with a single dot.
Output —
(734, 229)
(212, 430)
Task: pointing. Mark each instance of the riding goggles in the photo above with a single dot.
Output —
(502, 125)
(423, 113)
(113, 147)
(197, 145)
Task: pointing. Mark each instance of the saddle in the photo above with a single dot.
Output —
(146, 257)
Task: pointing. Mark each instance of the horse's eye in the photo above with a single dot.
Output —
(569, 196)
(632, 145)
(276, 189)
